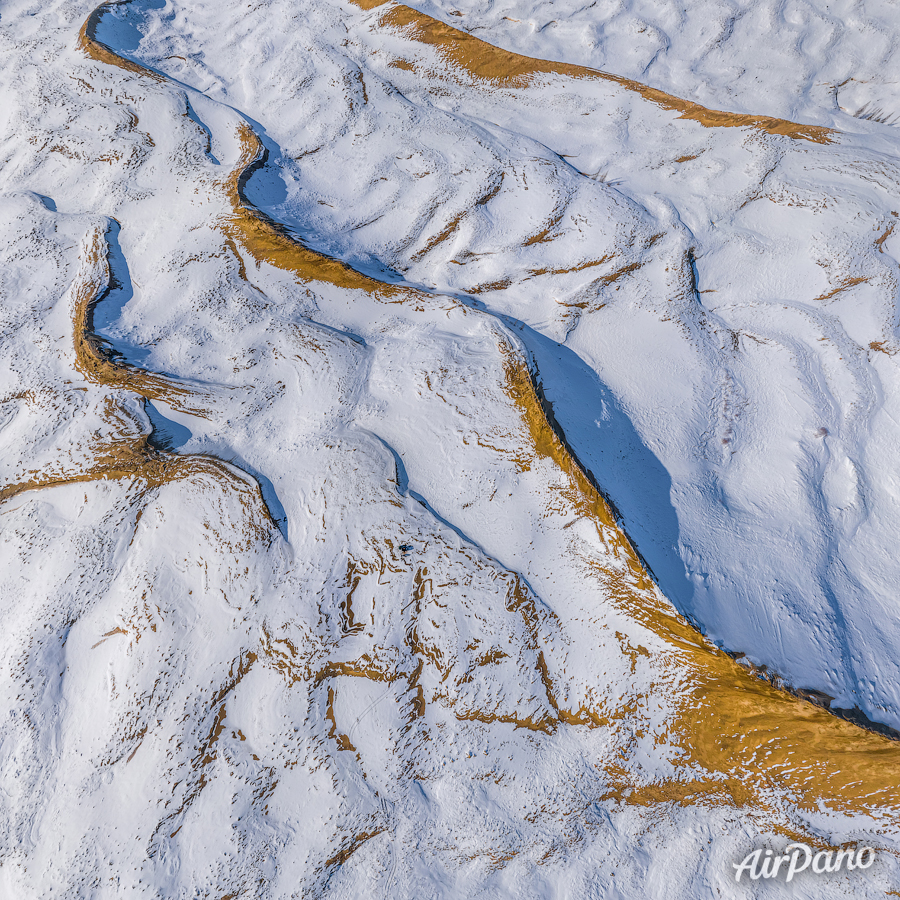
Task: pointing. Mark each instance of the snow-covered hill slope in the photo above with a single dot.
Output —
(724, 298)
(327, 329)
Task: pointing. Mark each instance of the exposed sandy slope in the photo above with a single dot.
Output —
(355, 620)
(809, 61)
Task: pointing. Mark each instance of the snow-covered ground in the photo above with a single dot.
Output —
(327, 327)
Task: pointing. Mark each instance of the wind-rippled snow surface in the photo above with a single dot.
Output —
(447, 452)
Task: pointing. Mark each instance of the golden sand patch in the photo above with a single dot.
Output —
(502, 68)
(750, 737)
(93, 357)
(268, 241)
(96, 50)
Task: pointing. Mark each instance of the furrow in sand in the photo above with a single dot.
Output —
(264, 239)
(267, 241)
(87, 40)
(138, 458)
(741, 737)
(95, 359)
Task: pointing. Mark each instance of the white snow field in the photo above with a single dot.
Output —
(407, 415)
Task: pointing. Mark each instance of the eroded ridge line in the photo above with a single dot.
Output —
(496, 67)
